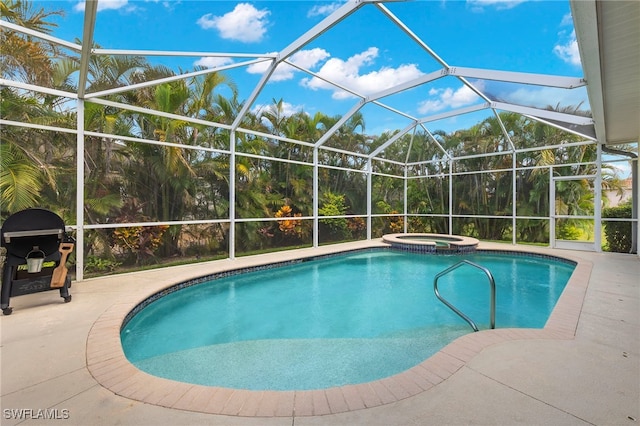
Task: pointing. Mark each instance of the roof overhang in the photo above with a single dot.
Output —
(608, 35)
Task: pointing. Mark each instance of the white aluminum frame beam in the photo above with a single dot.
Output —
(518, 77)
(38, 89)
(437, 142)
(301, 41)
(80, 194)
(455, 112)
(406, 158)
(169, 79)
(319, 77)
(504, 130)
(276, 137)
(389, 161)
(73, 46)
(394, 138)
(254, 95)
(543, 113)
(90, 12)
(184, 118)
(157, 143)
(408, 85)
(320, 28)
(340, 123)
(411, 34)
(426, 47)
(350, 91)
(37, 126)
(135, 52)
(565, 129)
(394, 110)
(343, 151)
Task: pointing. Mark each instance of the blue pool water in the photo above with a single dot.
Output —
(348, 319)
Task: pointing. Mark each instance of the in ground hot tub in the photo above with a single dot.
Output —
(432, 243)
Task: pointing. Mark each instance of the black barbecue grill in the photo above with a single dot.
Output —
(33, 239)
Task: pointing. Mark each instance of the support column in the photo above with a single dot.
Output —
(450, 197)
(79, 246)
(369, 195)
(316, 181)
(552, 209)
(232, 195)
(406, 187)
(597, 211)
(514, 198)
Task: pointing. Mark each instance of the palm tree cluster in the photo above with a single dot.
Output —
(159, 169)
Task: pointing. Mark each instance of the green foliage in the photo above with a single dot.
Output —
(568, 232)
(618, 234)
(20, 180)
(334, 205)
(137, 243)
(100, 265)
(393, 224)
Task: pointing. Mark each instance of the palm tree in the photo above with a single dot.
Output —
(25, 170)
(23, 57)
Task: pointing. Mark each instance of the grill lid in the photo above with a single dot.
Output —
(32, 227)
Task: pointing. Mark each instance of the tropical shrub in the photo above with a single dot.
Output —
(568, 232)
(393, 224)
(334, 205)
(292, 228)
(137, 244)
(357, 226)
(618, 234)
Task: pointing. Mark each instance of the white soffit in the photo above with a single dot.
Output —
(608, 34)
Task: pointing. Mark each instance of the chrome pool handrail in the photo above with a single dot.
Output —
(492, 282)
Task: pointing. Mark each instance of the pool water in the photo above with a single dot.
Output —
(348, 319)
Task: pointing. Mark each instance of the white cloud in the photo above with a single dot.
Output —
(213, 61)
(106, 5)
(304, 58)
(347, 74)
(287, 109)
(259, 68)
(568, 51)
(323, 9)
(244, 23)
(567, 20)
(170, 4)
(449, 98)
(309, 58)
(480, 5)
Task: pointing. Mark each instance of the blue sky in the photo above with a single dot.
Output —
(365, 52)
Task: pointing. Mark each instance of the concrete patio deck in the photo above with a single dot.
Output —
(583, 368)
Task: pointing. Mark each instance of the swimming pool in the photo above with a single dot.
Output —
(276, 328)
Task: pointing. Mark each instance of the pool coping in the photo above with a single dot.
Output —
(110, 368)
